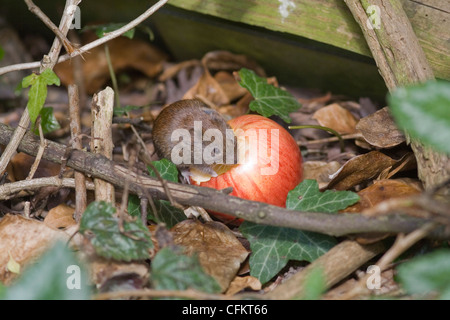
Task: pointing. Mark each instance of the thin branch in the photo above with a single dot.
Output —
(401, 244)
(75, 131)
(210, 199)
(62, 38)
(47, 62)
(13, 189)
(109, 36)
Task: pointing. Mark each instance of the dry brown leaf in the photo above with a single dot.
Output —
(229, 85)
(359, 169)
(102, 271)
(220, 252)
(60, 216)
(208, 88)
(25, 239)
(20, 166)
(382, 190)
(240, 283)
(225, 60)
(320, 171)
(337, 118)
(379, 130)
(125, 54)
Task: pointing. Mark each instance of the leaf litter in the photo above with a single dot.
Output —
(373, 157)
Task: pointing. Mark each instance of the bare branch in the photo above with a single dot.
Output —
(93, 44)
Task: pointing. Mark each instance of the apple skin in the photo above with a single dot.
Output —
(247, 179)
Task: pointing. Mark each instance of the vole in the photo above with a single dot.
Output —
(181, 133)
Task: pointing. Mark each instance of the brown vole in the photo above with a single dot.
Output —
(192, 135)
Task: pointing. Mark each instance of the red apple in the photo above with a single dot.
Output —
(268, 168)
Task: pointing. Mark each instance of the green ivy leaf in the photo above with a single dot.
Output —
(167, 213)
(58, 275)
(100, 220)
(269, 100)
(172, 270)
(48, 121)
(423, 112)
(167, 170)
(38, 91)
(307, 197)
(426, 274)
(272, 247)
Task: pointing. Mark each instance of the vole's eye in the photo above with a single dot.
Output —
(215, 151)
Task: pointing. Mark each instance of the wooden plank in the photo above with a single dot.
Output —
(293, 60)
(330, 22)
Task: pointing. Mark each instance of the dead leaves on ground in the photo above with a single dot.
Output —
(375, 155)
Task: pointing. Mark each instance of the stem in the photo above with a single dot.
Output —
(341, 140)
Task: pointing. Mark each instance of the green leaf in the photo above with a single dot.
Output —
(167, 170)
(307, 197)
(423, 112)
(101, 30)
(38, 91)
(100, 220)
(2, 53)
(166, 213)
(269, 100)
(49, 78)
(58, 275)
(48, 121)
(172, 270)
(426, 274)
(272, 247)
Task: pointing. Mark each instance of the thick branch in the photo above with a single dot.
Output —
(210, 199)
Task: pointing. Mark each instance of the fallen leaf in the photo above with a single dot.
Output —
(25, 240)
(60, 216)
(337, 118)
(359, 169)
(208, 88)
(380, 191)
(380, 130)
(225, 60)
(229, 85)
(219, 251)
(320, 171)
(240, 283)
(125, 54)
(104, 272)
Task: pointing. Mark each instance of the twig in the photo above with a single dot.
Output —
(13, 189)
(38, 158)
(401, 244)
(210, 199)
(108, 36)
(330, 139)
(62, 38)
(336, 264)
(75, 132)
(47, 62)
